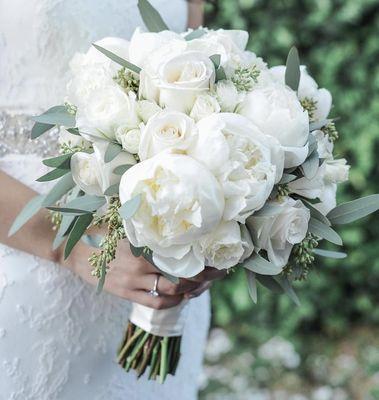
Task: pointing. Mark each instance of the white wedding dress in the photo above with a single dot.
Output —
(58, 339)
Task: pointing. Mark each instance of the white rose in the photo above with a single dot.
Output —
(227, 95)
(308, 90)
(129, 138)
(175, 211)
(225, 247)
(182, 78)
(146, 109)
(92, 174)
(276, 110)
(246, 162)
(277, 227)
(205, 105)
(166, 130)
(106, 110)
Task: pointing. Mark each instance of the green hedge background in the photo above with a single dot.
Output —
(339, 42)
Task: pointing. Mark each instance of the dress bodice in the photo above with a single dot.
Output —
(39, 37)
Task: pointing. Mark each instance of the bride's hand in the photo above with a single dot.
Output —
(132, 278)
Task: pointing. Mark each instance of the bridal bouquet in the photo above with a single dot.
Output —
(199, 154)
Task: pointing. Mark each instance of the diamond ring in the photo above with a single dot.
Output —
(154, 292)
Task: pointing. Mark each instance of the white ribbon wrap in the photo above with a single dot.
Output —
(168, 322)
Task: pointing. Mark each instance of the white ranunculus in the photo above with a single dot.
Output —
(277, 227)
(204, 106)
(129, 138)
(167, 129)
(92, 174)
(246, 162)
(106, 110)
(146, 109)
(277, 112)
(227, 95)
(225, 247)
(308, 90)
(175, 210)
(182, 78)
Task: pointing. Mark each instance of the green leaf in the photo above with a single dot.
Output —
(292, 74)
(69, 211)
(287, 178)
(65, 228)
(114, 57)
(101, 281)
(92, 240)
(30, 209)
(61, 162)
(57, 115)
(52, 175)
(288, 289)
(112, 151)
(316, 213)
(220, 74)
(39, 129)
(87, 202)
(129, 208)
(258, 264)
(354, 210)
(252, 285)
(58, 241)
(269, 283)
(330, 254)
(112, 190)
(216, 59)
(312, 144)
(136, 251)
(151, 17)
(80, 226)
(121, 169)
(324, 231)
(73, 131)
(310, 166)
(195, 34)
(65, 184)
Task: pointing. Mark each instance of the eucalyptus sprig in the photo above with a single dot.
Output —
(331, 131)
(244, 78)
(127, 79)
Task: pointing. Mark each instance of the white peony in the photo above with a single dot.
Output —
(107, 109)
(227, 95)
(182, 78)
(92, 174)
(225, 247)
(308, 91)
(278, 226)
(204, 106)
(146, 109)
(277, 112)
(246, 163)
(175, 211)
(167, 130)
(129, 138)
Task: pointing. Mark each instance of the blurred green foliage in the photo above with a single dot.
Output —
(339, 42)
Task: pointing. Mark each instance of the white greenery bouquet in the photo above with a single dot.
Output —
(194, 150)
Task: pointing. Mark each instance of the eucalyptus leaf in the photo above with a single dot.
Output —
(69, 211)
(288, 289)
(252, 285)
(73, 131)
(121, 169)
(58, 241)
(114, 57)
(92, 240)
(316, 213)
(330, 254)
(65, 184)
(324, 231)
(87, 202)
(101, 281)
(310, 166)
(258, 264)
(39, 129)
(112, 151)
(269, 283)
(80, 226)
(136, 251)
(57, 115)
(112, 190)
(65, 227)
(354, 210)
(216, 59)
(292, 74)
(287, 178)
(52, 175)
(30, 209)
(195, 34)
(61, 162)
(220, 74)
(151, 17)
(312, 144)
(130, 207)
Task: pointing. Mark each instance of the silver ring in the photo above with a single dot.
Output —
(154, 292)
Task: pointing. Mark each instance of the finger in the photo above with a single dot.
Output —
(165, 287)
(158, 303)
(197, 292)
(209, 274)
